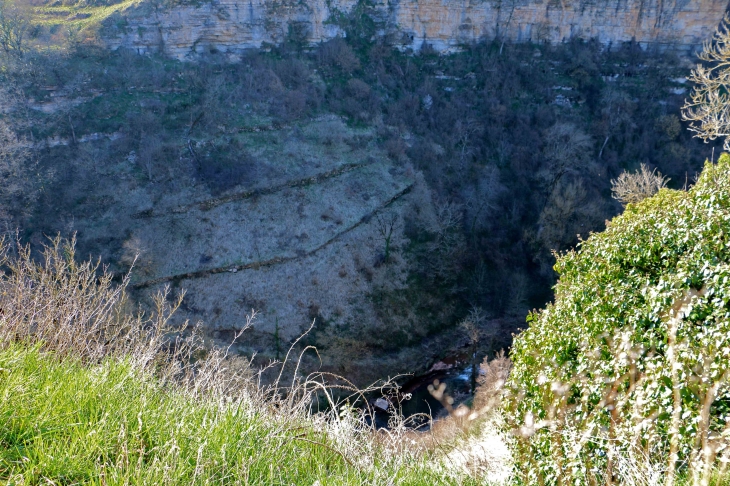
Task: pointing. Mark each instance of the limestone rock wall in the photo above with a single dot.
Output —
(235, 25)
(683, 24)
(223, 25)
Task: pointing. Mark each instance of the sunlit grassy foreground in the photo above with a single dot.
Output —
(65, 423)
(91, 393)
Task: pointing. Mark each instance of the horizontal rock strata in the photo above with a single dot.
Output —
(232, 26)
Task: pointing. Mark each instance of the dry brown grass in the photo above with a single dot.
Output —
(471, 440)
(75, 310)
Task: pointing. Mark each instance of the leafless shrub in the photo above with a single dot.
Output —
(396, 148)
(65, 305)
(294, 73)
(328, 132)
(492, 378)
(634, 187)
(225, 165)
(708, 109)
(358, 88)
(75, 310)
(337, 53)
(290, 105)
(14, 24)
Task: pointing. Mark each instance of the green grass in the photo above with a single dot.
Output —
(62, 422)
(78, 16)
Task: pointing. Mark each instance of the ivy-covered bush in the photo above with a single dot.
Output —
(626, 372)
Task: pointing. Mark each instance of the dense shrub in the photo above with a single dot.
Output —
(628, 369)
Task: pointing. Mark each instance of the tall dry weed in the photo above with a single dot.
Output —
(75, 310)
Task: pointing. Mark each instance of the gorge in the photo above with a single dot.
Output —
(364, 242)
(384, 171)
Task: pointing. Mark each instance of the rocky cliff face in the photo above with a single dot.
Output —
(229, 26)
(444, 23)
(235, 25)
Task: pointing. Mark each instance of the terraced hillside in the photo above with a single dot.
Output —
(299, 245)
(294, 227)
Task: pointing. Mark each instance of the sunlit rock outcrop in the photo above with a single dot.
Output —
(232, 26)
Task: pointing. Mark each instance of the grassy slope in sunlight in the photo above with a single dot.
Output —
(110, 424)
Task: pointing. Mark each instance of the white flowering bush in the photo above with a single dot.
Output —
(624, 378)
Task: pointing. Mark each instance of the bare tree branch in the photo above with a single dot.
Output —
(631, 188)
(708, 109)
(14, 24)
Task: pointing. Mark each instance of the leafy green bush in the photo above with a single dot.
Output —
(626, 373)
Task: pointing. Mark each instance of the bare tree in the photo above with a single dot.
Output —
(567, 150)
(634, 187)
(149, 151)
(708, 109)
(385, 226)
(480, 198)
(14, 25)
(568, 212)
(466, 132)
(554, 224)
(509, 6)
(447, 245)
(616, 109)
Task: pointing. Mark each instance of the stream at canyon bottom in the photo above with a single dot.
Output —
(416, 403)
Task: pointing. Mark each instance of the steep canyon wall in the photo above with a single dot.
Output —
(683, 24)
(235, 25)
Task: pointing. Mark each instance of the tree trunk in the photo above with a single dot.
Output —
(600, 154)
